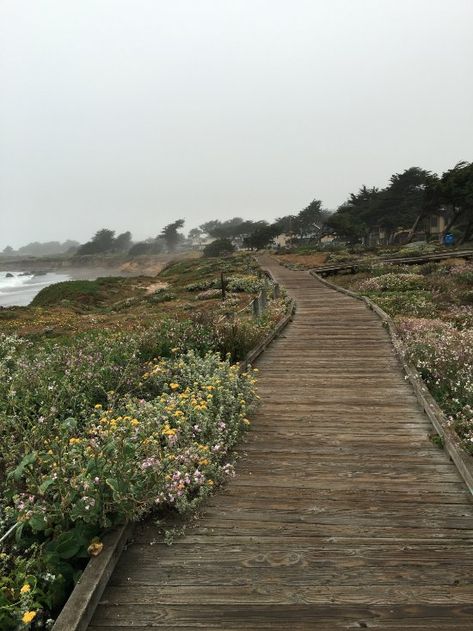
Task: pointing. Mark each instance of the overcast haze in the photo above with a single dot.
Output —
(129, 114)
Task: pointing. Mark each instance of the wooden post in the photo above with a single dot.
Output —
(262, 298)
(256, 308)
(222, 280)
(276, 291)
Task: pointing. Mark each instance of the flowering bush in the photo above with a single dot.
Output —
(392, 282)
(202, 285)
(461, 316)
(413, 303)
(209, 294)
(380, 269)
(250, 284)
(121, 460)
(444, 357)
(80, 467)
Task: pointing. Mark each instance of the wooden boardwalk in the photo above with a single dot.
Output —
(343, 514)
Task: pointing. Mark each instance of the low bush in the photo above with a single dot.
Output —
(250, 284)
(392, 282)
(219, 247)
(161, 295)
(444, 357)
(86, 292)
(98, 432)
(412, 303)
(209, 294)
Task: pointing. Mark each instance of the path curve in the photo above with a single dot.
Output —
(343, 514)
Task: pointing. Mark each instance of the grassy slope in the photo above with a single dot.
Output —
(122, 303)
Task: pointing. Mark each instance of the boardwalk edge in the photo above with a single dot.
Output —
(81, 604)
(462, 460)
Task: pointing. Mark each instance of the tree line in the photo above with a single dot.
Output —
(235, 232)
(48, 248)
(408, 202)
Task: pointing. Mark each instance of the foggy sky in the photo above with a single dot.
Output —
(129, 114)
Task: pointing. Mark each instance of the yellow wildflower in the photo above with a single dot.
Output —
(174, 386)
(95, 547)
(25, 589)
(134, 422)
(246, 421)
(28, 617)
(97, 406)
(74, 441)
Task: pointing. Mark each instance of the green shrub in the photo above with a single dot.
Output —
(392, 282)
(90, 434)
(219, 247)
(84, 292)
(161, 295)
(410, 303)
(250, 284)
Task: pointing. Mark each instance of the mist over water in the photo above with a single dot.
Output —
(20, 288)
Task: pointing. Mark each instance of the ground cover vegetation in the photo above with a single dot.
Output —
(136, 411)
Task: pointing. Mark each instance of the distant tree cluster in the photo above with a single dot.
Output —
(168, 240)
(49, 248)
(409, 201)
(105, 242)
(305, 225)
(241, 232)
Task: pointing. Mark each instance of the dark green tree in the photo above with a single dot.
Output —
(123, 242)
(261, 237)
(219, 247)
(170, 234)
(309, 220)
(456, 191)
(102, 242)
(401, 202)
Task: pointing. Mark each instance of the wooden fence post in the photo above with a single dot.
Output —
(263, 301)
(256, 308)
(222, 280)
(276, 291)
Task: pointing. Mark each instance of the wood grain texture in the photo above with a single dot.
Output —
(343, 514)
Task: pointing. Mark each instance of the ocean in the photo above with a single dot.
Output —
(20, 288)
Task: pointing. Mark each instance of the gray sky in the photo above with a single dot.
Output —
(130, 113)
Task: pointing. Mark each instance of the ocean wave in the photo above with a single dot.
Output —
(19, 288)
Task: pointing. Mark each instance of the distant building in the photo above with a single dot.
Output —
(200, 242)
(429, 228)
(283, 240)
